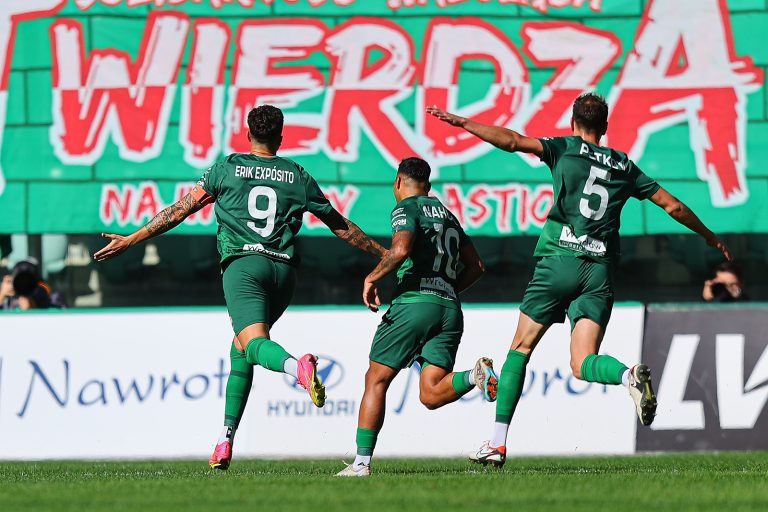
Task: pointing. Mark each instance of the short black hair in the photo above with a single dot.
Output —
(265, 123)
(415, 168)
(727, 266)
(590, 112)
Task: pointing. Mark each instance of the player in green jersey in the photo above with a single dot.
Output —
(577, 252)
(260, 199)
(424, 323)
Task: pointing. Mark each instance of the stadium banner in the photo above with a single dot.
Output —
(110, 109)
(138, 384)
(711, 368)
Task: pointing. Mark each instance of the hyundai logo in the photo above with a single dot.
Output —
(330, 371)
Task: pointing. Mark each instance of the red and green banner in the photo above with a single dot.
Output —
(110, 109)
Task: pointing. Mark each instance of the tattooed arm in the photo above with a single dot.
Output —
(348, 231)
(167, 219)
(402, 243)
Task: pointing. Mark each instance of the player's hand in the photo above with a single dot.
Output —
(115, 247)
(718, 244)
(447, 117)
(371, 296)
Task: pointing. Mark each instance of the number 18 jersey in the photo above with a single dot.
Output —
(260, 203)
(429, 273)
(591, 185)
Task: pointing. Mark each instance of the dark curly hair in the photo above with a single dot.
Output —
(415, 168)
(265, 123)
(590, 112)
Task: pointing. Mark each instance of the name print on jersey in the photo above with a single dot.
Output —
(264, 173)
(602, 158)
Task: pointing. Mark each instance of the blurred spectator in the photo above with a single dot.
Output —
(24, 289)
(726, 286)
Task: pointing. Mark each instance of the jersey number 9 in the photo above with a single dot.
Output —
(267, 214)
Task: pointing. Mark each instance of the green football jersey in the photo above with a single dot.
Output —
(429, 273)
(591, 185)
(260, 202)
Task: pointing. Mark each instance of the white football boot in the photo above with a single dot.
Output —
(486, 379)
(641, 391)
(352, 470)
(487, 454)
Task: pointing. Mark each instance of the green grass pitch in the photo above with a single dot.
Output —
(727, 482)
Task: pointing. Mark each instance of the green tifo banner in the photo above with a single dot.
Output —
(111, 109)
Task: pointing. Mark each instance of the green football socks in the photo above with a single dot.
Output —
(265, 352)
(366, 441)
(462, 382)
(510, 385)
(238, 387)
(510, 390)
(602, 369)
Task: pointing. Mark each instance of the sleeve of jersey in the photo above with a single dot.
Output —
(553, 148)
(404, 218)
(317, 203)
(209, 182)
(645, 187)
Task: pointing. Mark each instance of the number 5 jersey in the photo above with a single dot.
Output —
(591, 185)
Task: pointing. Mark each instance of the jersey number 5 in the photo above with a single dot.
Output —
(592, 188)
(445, 245)
(267, 214)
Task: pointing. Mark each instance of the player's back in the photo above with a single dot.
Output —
(591, 186)
(260, 203)
(429, 273)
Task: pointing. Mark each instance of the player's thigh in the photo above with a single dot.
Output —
(246, 282)
(401, 333)
(440, 347)
(550, 290)
(282, 291)
(595, 298)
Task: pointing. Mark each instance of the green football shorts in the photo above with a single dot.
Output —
(418, 331)
(582, 287)
(257, 290)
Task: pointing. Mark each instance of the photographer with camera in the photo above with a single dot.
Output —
(24, 289)
(726, 286)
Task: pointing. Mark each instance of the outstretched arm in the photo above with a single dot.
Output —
(348, 231)
(474, 267)
(164, 221)
(682, 214)
(502, 138)
(402, 243)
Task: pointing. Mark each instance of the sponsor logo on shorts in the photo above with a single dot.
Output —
(263, 250)
(437, 286)
(583, 243)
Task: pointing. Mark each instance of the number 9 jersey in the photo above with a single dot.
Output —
(429, 273)
(591, 185)
(260, 203)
